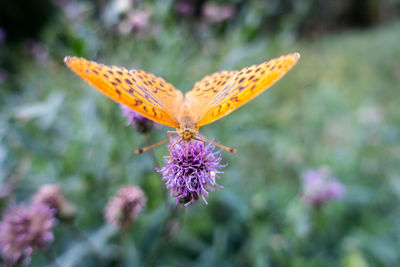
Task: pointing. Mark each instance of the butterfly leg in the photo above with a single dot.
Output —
(144, 149)
(169, 135)
(229, 149)
(170, 153)
(201, 140)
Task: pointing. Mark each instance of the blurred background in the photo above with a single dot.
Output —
(315, 182)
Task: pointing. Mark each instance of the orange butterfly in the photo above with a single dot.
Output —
(212, 98)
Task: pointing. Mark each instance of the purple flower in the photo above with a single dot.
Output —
(23, 230)
(320, 187)
(125, 206)
(139, 122)
(51, 196)
(192, 171)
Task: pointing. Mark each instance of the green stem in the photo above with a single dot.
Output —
(128, 252)
(156, 164)
(84, 237)
(166, 235)
(151, 151)
(51, 257)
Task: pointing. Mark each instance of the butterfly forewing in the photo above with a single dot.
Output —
(143, 92)
(218, 99)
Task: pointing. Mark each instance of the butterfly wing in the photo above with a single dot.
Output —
(143, 92)
(219, 94)
(198, 99)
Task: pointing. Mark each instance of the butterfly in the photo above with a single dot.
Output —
(212, 98)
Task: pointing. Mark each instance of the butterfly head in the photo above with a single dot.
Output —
(187, 133)
(187, 129)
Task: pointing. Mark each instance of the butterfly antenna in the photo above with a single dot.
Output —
(144, 149)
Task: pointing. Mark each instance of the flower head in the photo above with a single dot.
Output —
(25, 229)
(139, 122)
(51, 196)
(125, 206)
(192, 171)
(320, 187)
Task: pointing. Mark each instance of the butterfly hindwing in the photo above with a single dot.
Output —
(143, 92)
(213, 99)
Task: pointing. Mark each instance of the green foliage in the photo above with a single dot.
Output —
(338, 107)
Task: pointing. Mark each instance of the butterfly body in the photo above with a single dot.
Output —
(187, 126)
(212, 98)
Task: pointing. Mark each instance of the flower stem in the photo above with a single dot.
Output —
(167, 233)
(153, 155)
(81, 235)
(127, 248)
(156, 163)
(51, 257)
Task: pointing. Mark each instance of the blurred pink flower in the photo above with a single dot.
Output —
(39, 51)
(137, 21)
(320, 187)
(185, 8)
(51, 196)
(23, 230)
(123, 209)
(215, 14)
(138, 121)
